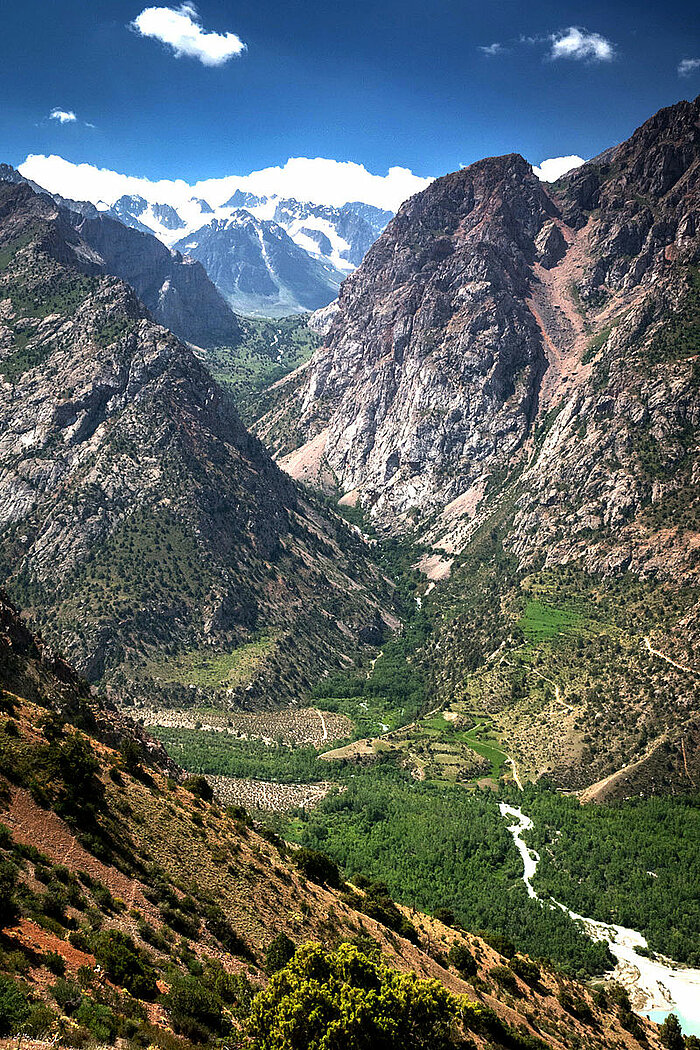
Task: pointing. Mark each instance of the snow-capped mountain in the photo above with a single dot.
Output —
(259, 269)
(251, 263)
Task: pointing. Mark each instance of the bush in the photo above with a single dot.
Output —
(318, 867)
(195, 1009)
(200, 787)
(462, 959)
(280, 950)
(444, 915)
(15, 1007)
(124, 963)
(97, 1018)
(526, 969)
(362, 1004)
(503, 945)
(8, 885)
(505, 977)
(55, 963)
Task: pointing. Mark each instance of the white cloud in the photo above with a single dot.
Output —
(553, 169)
(491, 50)
(320, 180)
(688, 66)
(64, 116)
(579, 44)
(180, 28)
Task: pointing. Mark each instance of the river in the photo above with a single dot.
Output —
(656, 986)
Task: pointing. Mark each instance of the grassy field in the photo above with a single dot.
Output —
(212, 670)
(540, 622)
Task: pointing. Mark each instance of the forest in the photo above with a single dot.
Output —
(437, 846)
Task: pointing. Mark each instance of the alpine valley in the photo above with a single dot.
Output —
(349, 635)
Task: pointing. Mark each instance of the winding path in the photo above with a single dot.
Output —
(668, 659)
(323, 723)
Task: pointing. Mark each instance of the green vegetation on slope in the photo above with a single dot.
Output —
(268, 351)
(438, 846)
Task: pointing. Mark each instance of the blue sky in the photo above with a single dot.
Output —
(380, 83)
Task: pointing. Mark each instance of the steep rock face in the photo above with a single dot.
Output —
(433, 361)
(616, 480)
(178, 292)
(498, 327)
(136, 512)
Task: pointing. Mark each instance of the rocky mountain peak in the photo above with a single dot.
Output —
(491, 306)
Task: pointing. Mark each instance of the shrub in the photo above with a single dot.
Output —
(8, 885)
(362, 1004)
(15, 1007)
(317, 866)
(280, 950)
(444, 915)
(462, 959)
(505, 977)
(97, 1018)
(526, 969)
(55, 962)
(124, 963)
(200, 787)
(503, 945)
(195, 1009)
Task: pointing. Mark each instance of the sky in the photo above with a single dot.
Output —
(398, 89)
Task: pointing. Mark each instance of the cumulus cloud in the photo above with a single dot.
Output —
(319, 180)
(63, 116)
(553, 169)
(491, 50)
(688, 66)
(581, 45)
(180, 28)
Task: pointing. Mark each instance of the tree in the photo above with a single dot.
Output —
(195, 1009)
(317, 867)
(342, 1001)
(462, 960)
(200, 787)
(671, 1034)
(124, 963)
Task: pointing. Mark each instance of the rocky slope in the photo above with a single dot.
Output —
(177, 291)
(511, 378)
(500, 324)
(135, 911)
(138, 518)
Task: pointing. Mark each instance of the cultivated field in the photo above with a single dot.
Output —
(267, 795)
(303, 726)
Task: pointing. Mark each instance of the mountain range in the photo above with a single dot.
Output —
(268, 256)
(519, 361)
(165, 495)
(447, 577)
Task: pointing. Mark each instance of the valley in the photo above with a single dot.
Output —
(314, 604)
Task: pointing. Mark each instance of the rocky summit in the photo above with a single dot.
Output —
(499, 326)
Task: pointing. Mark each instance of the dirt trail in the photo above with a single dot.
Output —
(323, 723)
(516, 776)
(668, 659)
(593, 793)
